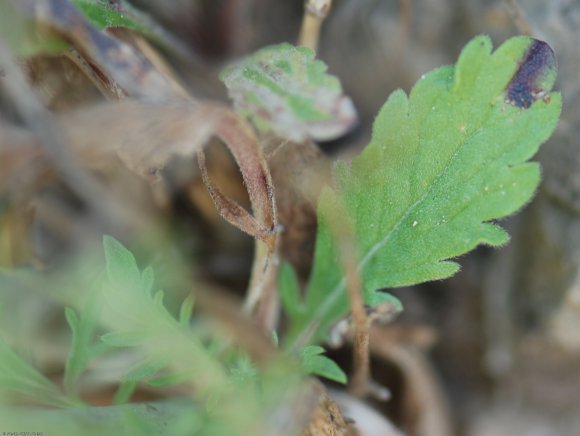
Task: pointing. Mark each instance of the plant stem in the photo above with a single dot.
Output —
(315, 12)
(359, 381)
(262, 300)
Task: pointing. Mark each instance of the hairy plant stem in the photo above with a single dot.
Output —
(262, 301)
(359, 381)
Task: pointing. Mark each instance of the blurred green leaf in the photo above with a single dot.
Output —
(283, 89)
(290, 291)
(147, 279)
(314, 363)
(122, 268)
(125, 391)
(185, 311)
(82, 348)
(145, 370)
(25, 37)
(169, 380)
(17, 377)
(244, 372)
(104, 14)
(130, 419)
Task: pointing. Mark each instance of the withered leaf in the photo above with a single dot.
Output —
(145, 137)
(119, 60)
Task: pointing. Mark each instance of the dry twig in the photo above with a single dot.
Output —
(315, 12)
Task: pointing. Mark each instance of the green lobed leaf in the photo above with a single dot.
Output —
(442, 165)
(136, 318)
(314, 363)
(283, 89)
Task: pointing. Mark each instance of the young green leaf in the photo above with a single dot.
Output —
(282, 88)
(145, 369)
(125, 391)
(290, 291)
(314, 363)
(104, 14)
(122, 267)
(443, 163)
(83, 346)
(136, 318)
(275, 338)
(243, 373)
(185, 311)
(147, 279)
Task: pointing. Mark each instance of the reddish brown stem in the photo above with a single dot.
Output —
(359, 380)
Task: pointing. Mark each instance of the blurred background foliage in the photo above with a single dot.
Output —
(493, 351)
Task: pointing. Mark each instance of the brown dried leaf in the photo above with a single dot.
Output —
(299, 170)
(118, 60)
(147, 136)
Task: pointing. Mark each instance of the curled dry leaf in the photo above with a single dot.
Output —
(160, 132)
(119, 61)
(299, 170)
(145, 137)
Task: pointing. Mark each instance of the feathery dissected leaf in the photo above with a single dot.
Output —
(443, 163)
(137, 318)
(282, 88)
